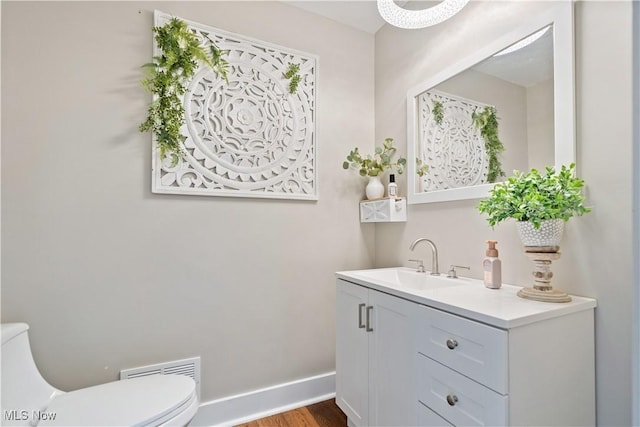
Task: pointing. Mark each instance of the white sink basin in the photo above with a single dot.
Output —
(405, 278)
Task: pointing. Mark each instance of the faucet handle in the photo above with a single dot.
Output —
(452, 271)
(420, 268)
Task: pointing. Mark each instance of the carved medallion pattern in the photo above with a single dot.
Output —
(249, 137)
(453, 149)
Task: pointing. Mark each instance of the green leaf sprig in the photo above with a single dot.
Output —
(536, 197)
(486, 121)
(293, 74)
(438, 113)
(421, 169)
(168, 77)
(378, 163)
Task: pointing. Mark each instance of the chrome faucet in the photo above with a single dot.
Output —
(434, 260)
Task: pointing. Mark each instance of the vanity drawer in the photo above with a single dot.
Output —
(456, 398)
(471, 348)
(426, 417)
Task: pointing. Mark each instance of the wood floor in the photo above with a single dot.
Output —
(322, 414)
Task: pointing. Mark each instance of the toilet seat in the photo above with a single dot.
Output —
(147, 401)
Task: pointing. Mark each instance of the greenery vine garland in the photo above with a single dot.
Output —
(293, 75)
(487, 122)
(168, 77)
(438, 113)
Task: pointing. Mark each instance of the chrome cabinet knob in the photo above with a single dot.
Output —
(451, 343)
(452, 399)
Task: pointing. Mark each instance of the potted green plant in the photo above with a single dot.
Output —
(373, 166)
(540, 203)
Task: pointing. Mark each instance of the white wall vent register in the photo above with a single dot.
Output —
(188, 367)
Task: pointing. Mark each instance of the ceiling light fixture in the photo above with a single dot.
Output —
(411, 19)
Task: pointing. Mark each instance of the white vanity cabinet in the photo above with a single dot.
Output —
(374, 357)
(464, 356)
(462, 369)
(539, 374)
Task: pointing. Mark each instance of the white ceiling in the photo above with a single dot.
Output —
(360, 14)
(525, 67)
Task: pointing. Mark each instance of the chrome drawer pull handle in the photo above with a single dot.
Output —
(368, 319)
(360, 324)
(451, 344)
(452, 399)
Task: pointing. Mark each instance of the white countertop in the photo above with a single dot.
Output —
(471, 299)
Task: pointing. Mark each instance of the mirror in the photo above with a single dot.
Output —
(526, 79)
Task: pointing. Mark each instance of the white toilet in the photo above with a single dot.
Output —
(28, 400)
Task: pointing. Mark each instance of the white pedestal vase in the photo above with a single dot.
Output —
(375, 188)
(548, 235)
(542, 246)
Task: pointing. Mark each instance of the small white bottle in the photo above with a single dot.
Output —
(392, 189)
(492, 267)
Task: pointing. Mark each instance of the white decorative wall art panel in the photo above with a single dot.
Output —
(249, 137)
(453, 149)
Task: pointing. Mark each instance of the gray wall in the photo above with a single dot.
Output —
(110, 276)
(597, 248)
(540, 123)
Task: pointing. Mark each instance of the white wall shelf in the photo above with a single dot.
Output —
(383, 210)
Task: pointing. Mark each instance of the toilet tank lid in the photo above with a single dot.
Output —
(12, 330)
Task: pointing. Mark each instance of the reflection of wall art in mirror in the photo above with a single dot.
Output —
(438, 114)
(250, 137)
(532, 89)
(450, 143)
(486, 120)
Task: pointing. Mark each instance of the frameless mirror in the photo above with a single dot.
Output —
(526, 79)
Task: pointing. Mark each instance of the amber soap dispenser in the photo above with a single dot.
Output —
(492, 267)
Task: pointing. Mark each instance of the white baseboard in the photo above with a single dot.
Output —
(257, 404)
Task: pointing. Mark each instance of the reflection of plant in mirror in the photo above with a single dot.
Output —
(293, 76)
(437, 112)
(421, 169)
(167, 79)
(535, 198)
(487, 122)
(378, 163)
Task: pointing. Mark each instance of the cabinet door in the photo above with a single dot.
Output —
(392, 399)
(352, 360)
